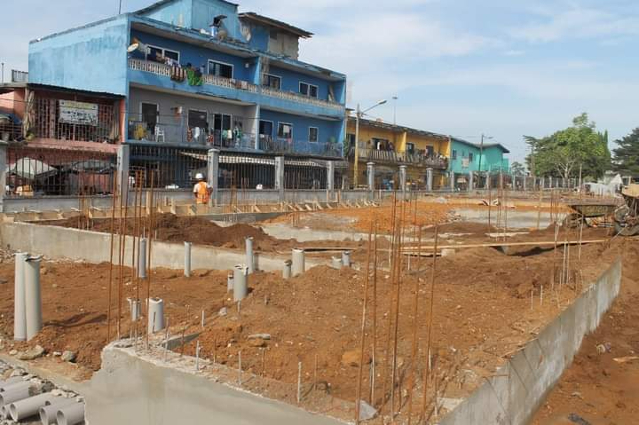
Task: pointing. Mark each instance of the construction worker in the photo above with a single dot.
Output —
(202, 190)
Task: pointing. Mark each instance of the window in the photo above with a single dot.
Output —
(454, 154)
(159, 54)
(266, 128)
(149, 113)
(470, 157)
(308, 90)
(272, 81)
(430, 150)
(350, 139)
(273, 34)
(220, 69)
(222, 122)
(313, 134)
(382, 144)
(285, 130)
(410, 148)
(198, 118)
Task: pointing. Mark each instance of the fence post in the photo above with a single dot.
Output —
(3, 173)
(212, 173)
(330, 176)
(429, 179)
(402, 180)
(452, 181)
(370, 174)
(471, 181)
(123, 169)
(279, 176)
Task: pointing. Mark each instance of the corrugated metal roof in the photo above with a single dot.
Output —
(274, 22)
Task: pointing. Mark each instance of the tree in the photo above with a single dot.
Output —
(564, 152)
(626, 159)
(517, 169)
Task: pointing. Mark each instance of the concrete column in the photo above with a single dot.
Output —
(524, 185)
(429, 179)
(550, 182)
(212, 173)
(452, 181)
(279, 176)
(471, 181)
(370, 175)
(402, 179)
(3, 173)
(501, 180)
(487, 181)
(330, 176)
(124, 153)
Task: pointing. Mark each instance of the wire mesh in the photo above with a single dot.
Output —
(33, 171)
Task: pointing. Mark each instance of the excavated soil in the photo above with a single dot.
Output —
(172, 228)
(596, 389)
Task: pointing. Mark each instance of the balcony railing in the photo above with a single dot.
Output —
(283, 146)
(392, 157)
(19, 76)
(165, 70)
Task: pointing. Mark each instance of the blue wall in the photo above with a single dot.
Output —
(492, 158)
(291, 81)
(92, 58)
(327, 129)
(174, 13)
(199, 55)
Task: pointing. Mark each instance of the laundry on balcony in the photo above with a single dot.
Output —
(178, 73)
(194, 76)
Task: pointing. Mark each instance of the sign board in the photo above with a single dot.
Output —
(465, 162)
(72, 112)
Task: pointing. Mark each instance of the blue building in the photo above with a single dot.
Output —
(198, 74)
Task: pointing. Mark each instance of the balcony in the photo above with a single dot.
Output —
(237, 89)
(171, 134)
(403, 158)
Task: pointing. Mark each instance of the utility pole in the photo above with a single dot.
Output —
(2, 73)
(394, 110)
(358, 112)
(120, 9)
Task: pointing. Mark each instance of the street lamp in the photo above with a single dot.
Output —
(358, 115)
(394, 110)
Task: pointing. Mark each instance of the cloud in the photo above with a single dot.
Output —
(577, 22)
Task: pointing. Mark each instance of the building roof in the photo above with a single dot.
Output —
(252, 16)
(399, 128)
(164, 2)
(478, 146)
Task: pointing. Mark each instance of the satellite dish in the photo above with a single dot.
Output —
(133, 47)
(138, 45)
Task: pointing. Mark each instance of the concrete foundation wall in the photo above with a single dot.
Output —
(94, 247)
(131, 390)
(515, 392)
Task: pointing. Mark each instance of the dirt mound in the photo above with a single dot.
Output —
(172, 228)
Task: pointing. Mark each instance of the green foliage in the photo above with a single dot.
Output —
(626, 159)
(517, 169)
(562, 153)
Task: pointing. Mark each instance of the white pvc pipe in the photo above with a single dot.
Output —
(346, 258)
(12, 380)
(135, 307)
(336, 263)
(187, 259)
(250, 260)
(33, 300)
(286, 272)
(19, 312)
(71, 414)
(4, 412)
(156, 315)
(240, 282)
(28, 407)
(229, 282)
(142, 259)
(10, 386)
(49, 412)
(298, 267)
(16, 394)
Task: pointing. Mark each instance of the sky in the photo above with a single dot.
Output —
(503, 68)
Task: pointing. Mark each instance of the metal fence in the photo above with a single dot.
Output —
(35, 171)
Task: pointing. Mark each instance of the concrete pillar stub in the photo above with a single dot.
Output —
(370, 174)
(279, 176)
(429, 179)
(471, 181)
(124, 153)
(212, 173)
(3, 172)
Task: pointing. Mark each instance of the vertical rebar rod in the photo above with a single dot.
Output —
(150, 245)
(363, 331)
(374, 308)
(114, 203)
(415, 347)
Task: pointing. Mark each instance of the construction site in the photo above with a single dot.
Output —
(397, 307)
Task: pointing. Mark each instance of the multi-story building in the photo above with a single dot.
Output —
(391, 146)
(482, 160)
(196, 75)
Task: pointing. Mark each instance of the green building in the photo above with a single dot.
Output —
(469, 157)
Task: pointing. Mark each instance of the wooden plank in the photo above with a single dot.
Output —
(503, 244)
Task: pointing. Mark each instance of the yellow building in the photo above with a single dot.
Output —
(390, 146)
